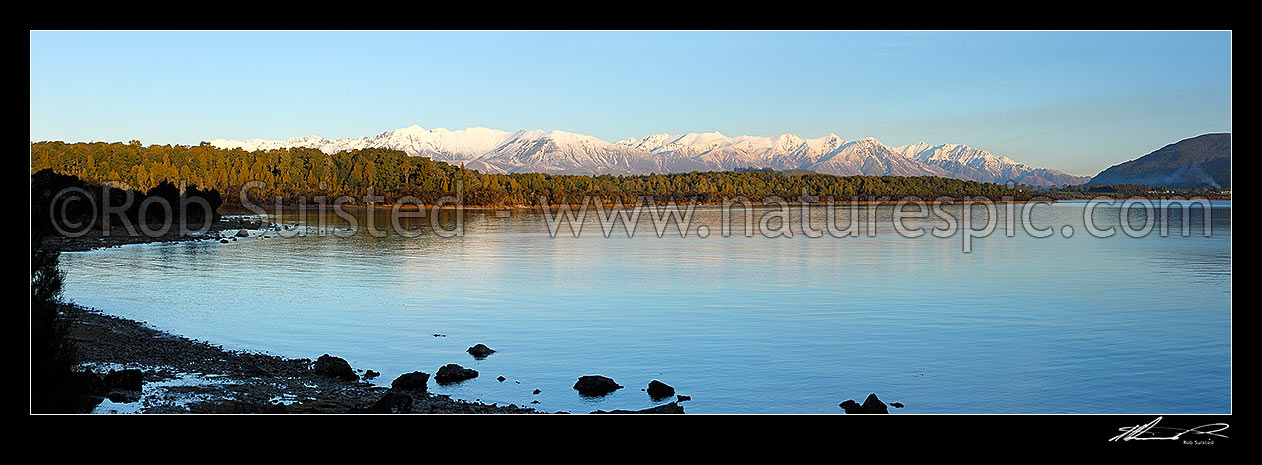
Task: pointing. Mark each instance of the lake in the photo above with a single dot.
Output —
(1018, 324)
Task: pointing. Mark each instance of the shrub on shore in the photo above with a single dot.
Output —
(54, 386)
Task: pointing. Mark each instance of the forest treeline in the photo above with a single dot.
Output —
(64, 202)
(296, 173)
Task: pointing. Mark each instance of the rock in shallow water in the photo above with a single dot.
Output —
(659, 390)
(414, 381)
(334, 367)
(870, 405)
(480, 351)
(671, 408)
(595, 385)
(453, 373)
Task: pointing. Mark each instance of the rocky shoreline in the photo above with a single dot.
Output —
(129, 367)
(125, 366)
(179, 375)
(224, 228)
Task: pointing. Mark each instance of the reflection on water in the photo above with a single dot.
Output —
(742, 324)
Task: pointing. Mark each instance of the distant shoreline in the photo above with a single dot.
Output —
(238, 210)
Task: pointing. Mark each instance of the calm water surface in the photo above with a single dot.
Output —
(1020, 324)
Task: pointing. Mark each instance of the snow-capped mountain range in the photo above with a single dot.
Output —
(495, 151)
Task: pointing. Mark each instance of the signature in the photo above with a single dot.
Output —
(1149, 431)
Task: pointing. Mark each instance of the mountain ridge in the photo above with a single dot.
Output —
(562, 152)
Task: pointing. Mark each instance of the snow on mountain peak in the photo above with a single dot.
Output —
(557, 151)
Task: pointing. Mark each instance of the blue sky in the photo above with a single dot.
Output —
(1074, 101)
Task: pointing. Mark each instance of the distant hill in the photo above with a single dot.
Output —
(1202, 161)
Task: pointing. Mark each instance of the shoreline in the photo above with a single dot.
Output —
(235, 209)
(119, 235)
(182, 375)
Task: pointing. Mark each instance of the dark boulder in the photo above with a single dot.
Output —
(127, 380)
(659, 390)
(851, 407)
(334, 367)
(243, 233)
(370, 374)
(223, 241)
(537, 392)
(453, 373)
(124, 396)
(896, 404)
(870, 405)
(683, 398)
(390, 402)
(414, 381)
(91, 383)
(671, 408)
(595, 386)
(480, 351)
(501, 379)
(874, 405)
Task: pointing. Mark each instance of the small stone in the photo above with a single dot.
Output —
(537, 392)
(501, 379)
(683, 398)
(896, 404)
